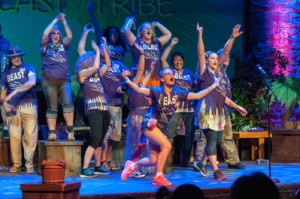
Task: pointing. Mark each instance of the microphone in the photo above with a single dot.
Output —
(261, 69)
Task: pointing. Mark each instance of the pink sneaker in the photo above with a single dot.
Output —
(161, 181)
(128, 170)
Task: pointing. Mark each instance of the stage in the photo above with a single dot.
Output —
(112, 187)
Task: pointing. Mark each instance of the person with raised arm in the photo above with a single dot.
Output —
(165, 100)
(56, 84)
(211, 114)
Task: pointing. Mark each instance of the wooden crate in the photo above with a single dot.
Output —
(70, 151)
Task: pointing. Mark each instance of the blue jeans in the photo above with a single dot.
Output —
(55, 91)
(213, 139)
(188, 119)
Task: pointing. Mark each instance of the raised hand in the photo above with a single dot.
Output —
(174, 41)
(199, 28)
(236, 31)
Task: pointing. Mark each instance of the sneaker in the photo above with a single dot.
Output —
(236, 166)
(51, 137)
(29, 170)
(161, 181)
(15, 169)
(113, 166)
(128, 170)
(87, 173)
(137, 174)
(106, 165)
(219, 175)
(101, 170)
(199, 166)
(71, 136)
(5, 133)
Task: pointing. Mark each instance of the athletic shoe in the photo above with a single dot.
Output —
(106, 165)
(51, 137)
(101, 170)
(71, 136)
(199, 166)
(219, 175)
(137, 174)
(161, 181)
(15, 169)
(128, 170)
(236, 166)
(87, 173)
(113, 166)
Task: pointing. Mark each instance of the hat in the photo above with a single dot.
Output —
(15, 51)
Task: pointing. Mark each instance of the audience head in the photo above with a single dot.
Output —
(189, 191)
(256, 185)
(162, 193)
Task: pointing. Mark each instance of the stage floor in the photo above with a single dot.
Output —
(111, 186)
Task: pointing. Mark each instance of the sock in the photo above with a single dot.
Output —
(70, 129)
(102, 162)
(52, 131)
(158, 174)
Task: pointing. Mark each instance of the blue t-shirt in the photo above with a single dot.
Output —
(185, 81)
(152, 52)
(94, 96)
(16, 77)
(111, 81)
(55, 62)
(162, 107)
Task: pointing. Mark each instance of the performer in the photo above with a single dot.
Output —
(165, 100)
(115, 45)
(96, 106)
(228, 147)
(147, 40)
(186, 80)
(18, 96)
(56, 75)
(136, 145)
(211, 113)
(89, 74)
(4, 47)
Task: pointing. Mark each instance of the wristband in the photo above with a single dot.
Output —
(64, 22)
(55, 20)
(142, 54)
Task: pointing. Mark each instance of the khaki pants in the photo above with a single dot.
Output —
(26, 120)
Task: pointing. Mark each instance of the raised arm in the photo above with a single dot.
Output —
(87, 72)
(166, 34)
(232, 104)
(141, 66)
(201, 51)
(148, 74)
(228, 46)
(98, 30)
(129, 36)
(164, 63)
(67, 40)
(81, 44)
(203, 93)
(107, 64)
(47, 31)
(144, 91)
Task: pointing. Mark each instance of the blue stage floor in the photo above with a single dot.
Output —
(288, 174)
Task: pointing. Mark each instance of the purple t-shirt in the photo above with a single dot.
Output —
(215, 98)
(162, 108)
(136, 100)
(16, 77)
(94, 96)
(152, 52)
(55, 62)
(117, 53)
(185, 81)
(225, 87)
(111, 81)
